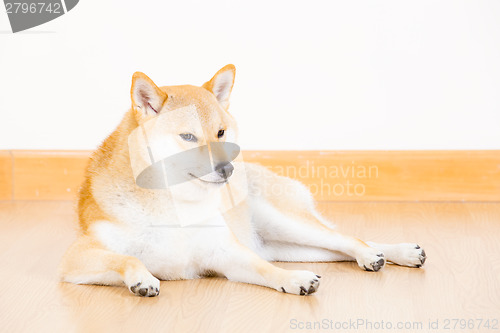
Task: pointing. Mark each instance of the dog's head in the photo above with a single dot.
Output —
(186, 124)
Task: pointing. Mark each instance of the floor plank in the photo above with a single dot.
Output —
(460, 278)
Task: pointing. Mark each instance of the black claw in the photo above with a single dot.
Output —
(418, 246)
(303, 291)
(381, 255)
(311, 290)
(318, 276)
(143, 291)
(134, 288)
(315, 280)
(367, 269)
(378, 265)
(157, 291)
(422, 260)
(418, 266)
(283, 289)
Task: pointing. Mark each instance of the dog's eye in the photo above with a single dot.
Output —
(220, 134)
(188, 137)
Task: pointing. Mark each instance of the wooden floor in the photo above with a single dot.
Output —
(460, 280)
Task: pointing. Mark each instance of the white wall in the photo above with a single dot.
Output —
(310, 74)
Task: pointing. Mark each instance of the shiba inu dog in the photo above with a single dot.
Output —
(131, 234)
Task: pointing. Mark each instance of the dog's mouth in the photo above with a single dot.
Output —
(220, 182)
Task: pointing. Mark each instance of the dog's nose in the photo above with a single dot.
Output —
(224, 169)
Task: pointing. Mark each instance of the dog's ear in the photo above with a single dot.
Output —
(222, 84)
(147, 98)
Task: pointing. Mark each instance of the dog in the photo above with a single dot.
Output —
(129, 234)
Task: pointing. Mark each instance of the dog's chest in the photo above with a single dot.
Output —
(169, 252)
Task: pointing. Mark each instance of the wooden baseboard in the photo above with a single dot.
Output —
(6, 172)
(331, 176)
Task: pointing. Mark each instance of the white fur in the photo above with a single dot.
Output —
(222, 86)
(145, 97)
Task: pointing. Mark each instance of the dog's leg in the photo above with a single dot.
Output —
(288, 223)
(240, 264)
(87, 262)
(282, 251)
(404, 254)
(305, 228)
(287, 233)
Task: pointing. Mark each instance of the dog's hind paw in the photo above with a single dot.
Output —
(407, 254)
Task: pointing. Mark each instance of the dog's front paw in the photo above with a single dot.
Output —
(146, 285)
(407, 254)
(371, 260)
(300, 283)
